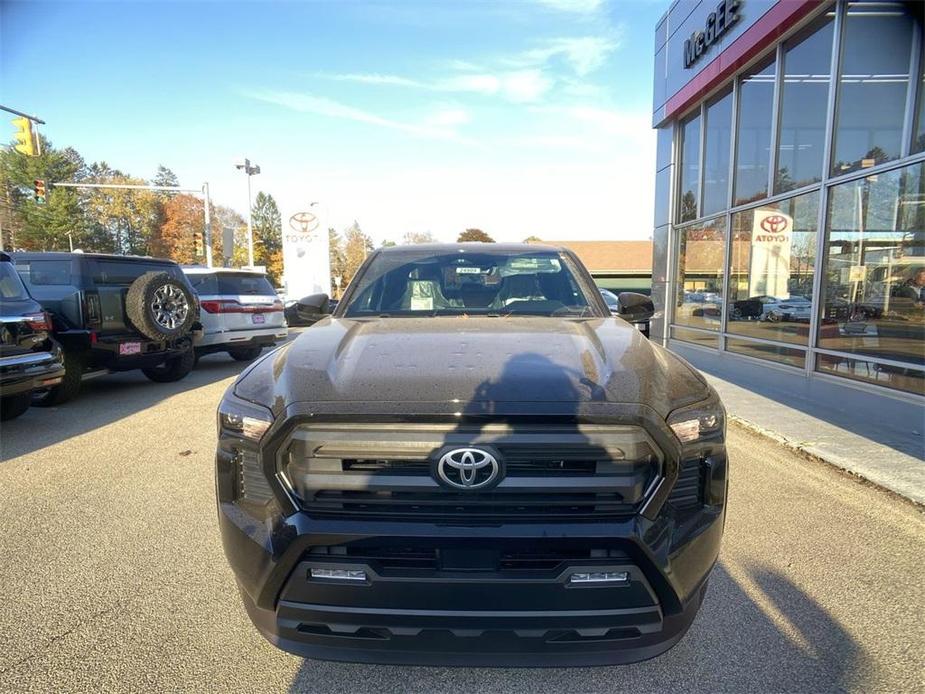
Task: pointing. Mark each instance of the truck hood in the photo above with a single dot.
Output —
(471, 363)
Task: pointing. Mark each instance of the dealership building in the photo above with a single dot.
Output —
(789, 231)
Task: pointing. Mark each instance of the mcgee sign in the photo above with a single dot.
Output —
(718, 22)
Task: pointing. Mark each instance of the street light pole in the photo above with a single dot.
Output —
(250, 224)
(249, 171)
(207, 232)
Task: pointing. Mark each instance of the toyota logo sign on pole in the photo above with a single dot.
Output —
(306, 266)
(769, 265)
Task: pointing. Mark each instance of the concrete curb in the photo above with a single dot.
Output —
(810, 452)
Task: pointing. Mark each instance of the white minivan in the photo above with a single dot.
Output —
(241, 313)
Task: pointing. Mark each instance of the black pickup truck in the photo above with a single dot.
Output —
(472, 462)
(113, 313)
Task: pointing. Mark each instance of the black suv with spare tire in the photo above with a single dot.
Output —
(113, 313)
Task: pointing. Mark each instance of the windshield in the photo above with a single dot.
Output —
(225, 283)
(415, 283)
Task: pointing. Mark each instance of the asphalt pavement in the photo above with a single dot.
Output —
(113, 575)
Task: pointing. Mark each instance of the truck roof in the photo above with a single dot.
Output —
(475, 246)
(64, 255)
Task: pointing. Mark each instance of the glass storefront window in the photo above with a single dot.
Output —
(753, 148)
(763, 350)
(695, 337)
(899, 378)
(873, 82)
(718, 134)
(918, 138)
(874, 274)
(690, 169)
(700, 274)
(807, 67)
(771, 270)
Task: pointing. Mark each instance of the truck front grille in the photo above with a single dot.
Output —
(551, 472)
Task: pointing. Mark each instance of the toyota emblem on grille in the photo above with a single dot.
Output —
(468, 468)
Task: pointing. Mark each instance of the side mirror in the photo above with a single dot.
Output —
(636, 308)
(312, 307)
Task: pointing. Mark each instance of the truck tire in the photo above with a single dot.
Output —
(14, 405)
(244, 353)
(173, 369)
(74, 365)
(160, 307)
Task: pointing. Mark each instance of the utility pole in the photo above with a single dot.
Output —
(204, 191)
(250, 170)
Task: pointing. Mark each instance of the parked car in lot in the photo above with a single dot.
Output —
(241, 312)
(612, 301)
(113, 312)
(772, 308)
(472, 462)
(30, 361)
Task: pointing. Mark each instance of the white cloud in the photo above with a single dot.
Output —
(525, 77)
(519, 86)
(322, 106)
(525, 85)
(583, 54)
(375, 78)
(450, 117)
(608, 122)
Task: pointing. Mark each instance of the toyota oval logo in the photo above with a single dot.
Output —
(468, 468)
(774, 224)
(304, 222)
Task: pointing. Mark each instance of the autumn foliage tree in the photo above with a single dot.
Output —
(182, 218)
(357, 246)
(474, 235)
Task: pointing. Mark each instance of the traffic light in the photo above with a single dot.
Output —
(23, 136)
(198, 243)
(39, 193)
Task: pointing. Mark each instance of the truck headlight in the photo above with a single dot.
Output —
(242, 419)
(704, 420)
(240, 474)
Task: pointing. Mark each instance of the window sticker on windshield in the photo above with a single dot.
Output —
(530, 266)
(422, 296)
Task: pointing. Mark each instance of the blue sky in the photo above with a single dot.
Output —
(523, 117)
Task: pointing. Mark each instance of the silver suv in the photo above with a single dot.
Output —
(241, 313)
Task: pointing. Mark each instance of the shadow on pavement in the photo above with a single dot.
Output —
(765, 636)
(104, 400)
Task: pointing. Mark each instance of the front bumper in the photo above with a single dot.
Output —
(492, 637)
(478, 615)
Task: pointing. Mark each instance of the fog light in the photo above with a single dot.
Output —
(339, 574)
(601, 577)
